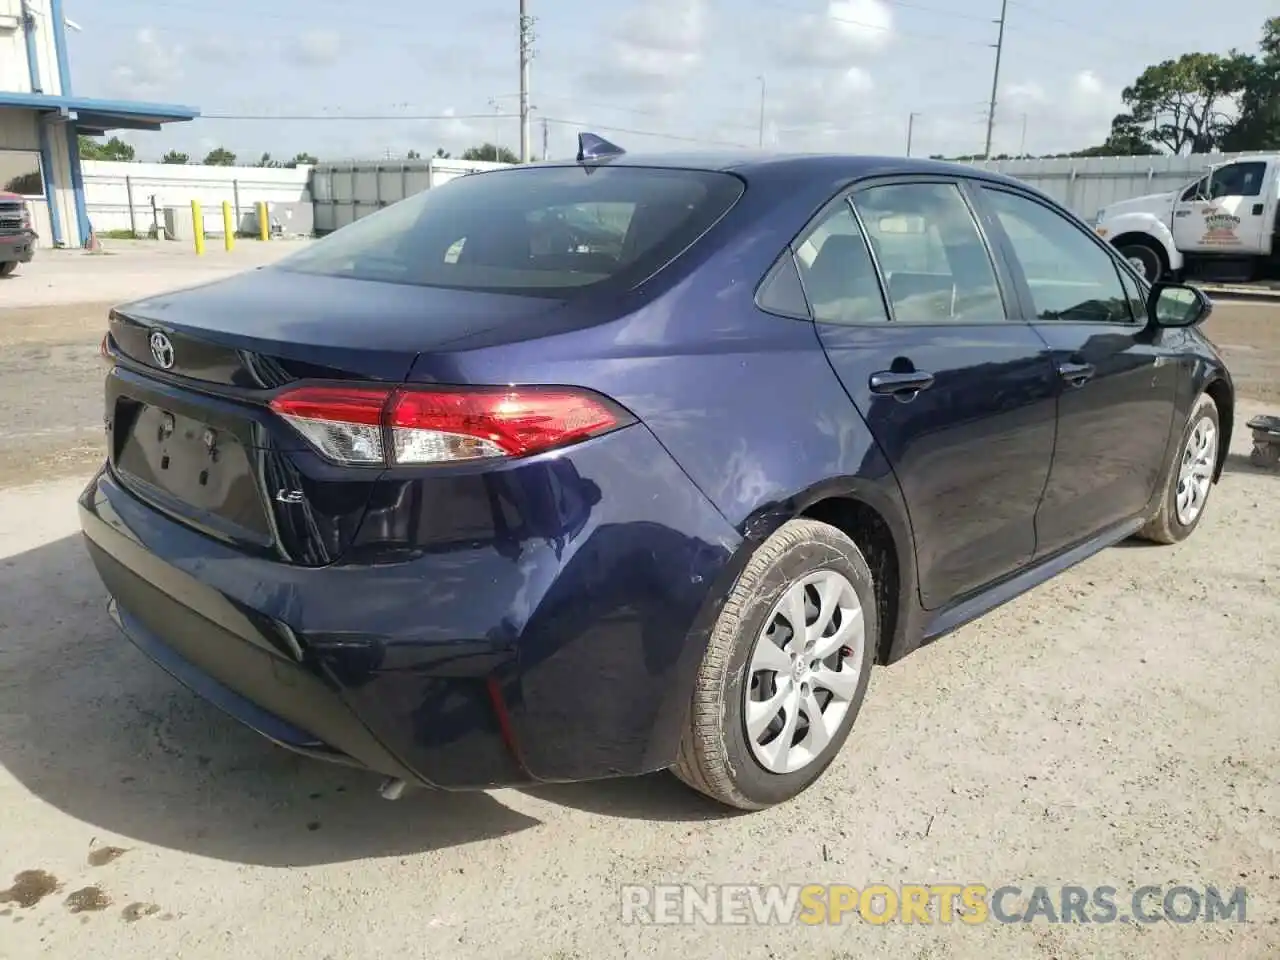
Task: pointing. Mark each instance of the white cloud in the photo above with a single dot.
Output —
(152, 65)
(655, 50)
(316, 48)
(1077, 115)
(820, 111)
(846, 29)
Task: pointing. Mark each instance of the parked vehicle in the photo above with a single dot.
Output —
(17, 236)
(467, 506)
(1223, 227)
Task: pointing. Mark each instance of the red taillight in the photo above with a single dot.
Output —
(408, 426)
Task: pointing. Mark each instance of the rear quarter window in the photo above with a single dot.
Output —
(532, 230)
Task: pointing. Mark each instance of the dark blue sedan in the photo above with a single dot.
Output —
(586, 469)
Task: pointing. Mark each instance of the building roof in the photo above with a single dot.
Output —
(93, 116)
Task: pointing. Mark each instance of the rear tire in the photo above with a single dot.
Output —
(1145, 257)
(8, 267)
(803, 710)
(1188, 477)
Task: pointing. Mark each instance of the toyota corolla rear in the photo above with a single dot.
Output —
(319, 516)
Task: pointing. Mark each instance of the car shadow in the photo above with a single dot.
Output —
(93, 728)
(1240, 463)
(657, 796)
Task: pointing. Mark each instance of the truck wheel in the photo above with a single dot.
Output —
(1145, 258)
(7, 268)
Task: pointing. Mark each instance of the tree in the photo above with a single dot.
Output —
(413, 155)
(490, 151)
(175, 156)
(220, 157)
(442, 155)
(1126, 139)
(266, 161)
(25, 184)
(1259, 125)
(1187, 104)
(302, 159)
(113, 149)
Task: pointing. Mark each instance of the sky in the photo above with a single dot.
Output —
(346, 80)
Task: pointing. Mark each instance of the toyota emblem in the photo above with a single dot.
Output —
(161, 350)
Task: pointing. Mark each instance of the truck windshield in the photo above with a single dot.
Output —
(534, 230)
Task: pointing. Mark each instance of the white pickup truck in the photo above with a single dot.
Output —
(1224, 227)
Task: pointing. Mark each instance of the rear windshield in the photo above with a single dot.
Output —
(534, 230)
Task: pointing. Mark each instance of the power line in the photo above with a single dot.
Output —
(324, 117)
(646, 133)
(350, 116)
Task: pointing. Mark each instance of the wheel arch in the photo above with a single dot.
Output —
(1144, 228)
(876, 519)
(1223, 396)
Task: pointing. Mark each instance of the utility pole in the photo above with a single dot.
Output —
(911, 126)
(995, 77)
(545, 153)
(1022, 147)
(526, 54)
(762, 91)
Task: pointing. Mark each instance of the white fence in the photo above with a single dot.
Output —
(120, 196)
(1086, 184)
(344, 192)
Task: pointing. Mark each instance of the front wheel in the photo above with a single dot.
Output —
(8, 267)
(1189, 478)
(785, 670)
(1144, 258)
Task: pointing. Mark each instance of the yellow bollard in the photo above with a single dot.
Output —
(264, 223)
(228, 228)
(197, 224)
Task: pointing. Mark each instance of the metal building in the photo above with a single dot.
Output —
(41, 120)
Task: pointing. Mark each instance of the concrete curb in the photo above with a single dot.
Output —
(1241, 291)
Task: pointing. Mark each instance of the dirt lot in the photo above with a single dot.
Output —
(1116, 727)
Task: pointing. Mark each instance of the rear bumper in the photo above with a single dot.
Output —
(19, 247)
(486, 664)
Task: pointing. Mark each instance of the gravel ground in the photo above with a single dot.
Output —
(1115, 727)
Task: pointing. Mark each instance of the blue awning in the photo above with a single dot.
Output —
(92, 116)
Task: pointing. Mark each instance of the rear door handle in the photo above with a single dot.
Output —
(891, 383)
(1076, 374)
(1257, 209)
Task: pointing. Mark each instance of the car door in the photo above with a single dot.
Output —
(1227, 210)
(1117, 378)
(959, 397)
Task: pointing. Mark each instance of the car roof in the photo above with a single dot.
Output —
(749, 163)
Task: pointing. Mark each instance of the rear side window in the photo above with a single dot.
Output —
(838, 273)
(935, 263)
(535, 230)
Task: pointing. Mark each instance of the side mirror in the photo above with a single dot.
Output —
(1177, 305)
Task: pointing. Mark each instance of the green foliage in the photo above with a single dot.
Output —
(175, 156)
(220, 157)
(1259, 125)
(1202, 102)
(302, 159)
(114, 149)
(1189, 104)
(490, 151)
